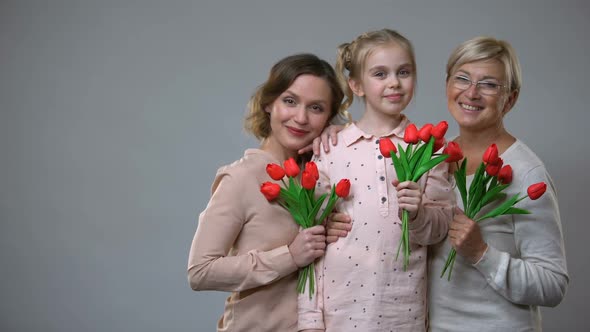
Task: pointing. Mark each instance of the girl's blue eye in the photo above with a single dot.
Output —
(404, 73)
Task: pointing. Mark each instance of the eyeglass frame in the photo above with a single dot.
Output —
(478, 85)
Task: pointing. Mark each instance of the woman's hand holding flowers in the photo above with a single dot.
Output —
(308, 245)
(465, 236)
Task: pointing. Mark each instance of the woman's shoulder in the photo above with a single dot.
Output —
(245, 169)
(251, 161)
(521, 156)
(526, 166)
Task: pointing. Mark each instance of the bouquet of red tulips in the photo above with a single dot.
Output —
(412, 162)
(489, 180)
(299, 199)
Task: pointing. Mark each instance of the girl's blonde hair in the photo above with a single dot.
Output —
(485, 48)
(352, 56)
(281, 76)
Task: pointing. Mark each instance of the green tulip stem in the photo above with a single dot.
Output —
(404, 242)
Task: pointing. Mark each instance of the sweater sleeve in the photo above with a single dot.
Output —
(538, 275)
(211, 266)
(432, 221)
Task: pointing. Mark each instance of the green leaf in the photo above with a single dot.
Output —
(287, 194)
(316, 207)
(304, 203)
(475, 192)
(416, 157)
(399, 170)
(403, 158)
(475, 199)
(460, 179)
(330, 205)
(492, 194)
(514, 210)
(493, 183)
(293, 186)
(427, 154)
(428, 166)
(408, 151)
(500, 210)
(477, 178)
(299, 218)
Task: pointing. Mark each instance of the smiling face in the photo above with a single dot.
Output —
(470, 108)
(387, 80)
(298, 116)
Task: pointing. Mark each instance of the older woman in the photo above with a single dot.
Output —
(508, 266)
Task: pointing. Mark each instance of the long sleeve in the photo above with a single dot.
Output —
(537, 274)
(432, 222)
(215, 263)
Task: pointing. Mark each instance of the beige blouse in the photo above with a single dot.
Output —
(240, 246)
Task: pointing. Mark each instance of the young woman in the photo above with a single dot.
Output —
(243, 243)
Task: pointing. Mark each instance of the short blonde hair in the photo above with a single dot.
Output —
(484, 48)
(351, 56)
(281, 76)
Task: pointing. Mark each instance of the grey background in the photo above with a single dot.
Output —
(114, 116)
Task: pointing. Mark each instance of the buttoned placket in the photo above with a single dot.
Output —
(381, 174)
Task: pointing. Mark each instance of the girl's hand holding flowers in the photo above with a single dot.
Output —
(414, 161)
(409, 197)
(338, 225)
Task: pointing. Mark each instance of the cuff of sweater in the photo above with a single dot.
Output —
(310, 321)
(489, 263)
(282, 260)
(417, 222)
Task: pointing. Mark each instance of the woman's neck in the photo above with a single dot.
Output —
(379, 124)
(474, 143)
(278, 151)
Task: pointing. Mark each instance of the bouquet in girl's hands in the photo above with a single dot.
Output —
(299, 199)
(417, 159)
(489, 180)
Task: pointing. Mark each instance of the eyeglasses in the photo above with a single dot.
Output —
(484, 87)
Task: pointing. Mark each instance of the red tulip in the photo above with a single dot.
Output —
(307, 180)
(454, 152)
(438, 143)
(291, 167)
(425, 132)
(386, 146)
(491, 155)
(275, 171)
(536, 190)
(411, 134)
(494, 169)
(270, 190)
(505, 175)
(312, 168)
(343, 188)
(440, 130)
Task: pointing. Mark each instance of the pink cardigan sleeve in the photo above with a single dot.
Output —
(432, 222)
